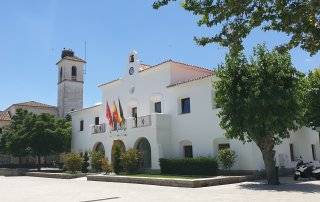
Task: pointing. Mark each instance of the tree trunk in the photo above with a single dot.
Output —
(268, 155)
(39, 162)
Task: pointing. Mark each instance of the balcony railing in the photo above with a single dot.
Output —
(101, 128)
(142, 121)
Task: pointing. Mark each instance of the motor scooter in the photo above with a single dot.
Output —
(306, 170)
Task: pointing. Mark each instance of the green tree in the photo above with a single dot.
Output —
(43, 138)
(233, 20)
(39, 135)
(73, 162)
(131, 160)
(312, 100)
(85, 163)
(63, 130)
(96, 157)
(14, 139)
(260, 100)
(116, 161)
(227, 158)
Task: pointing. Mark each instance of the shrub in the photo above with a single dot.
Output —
(85, 163)
(105, 166)
(189, 166)
(227, 158)
(96, 157)
(131, 160)
(73, 162)
(116, 164)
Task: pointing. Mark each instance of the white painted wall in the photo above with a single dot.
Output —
(170, 129)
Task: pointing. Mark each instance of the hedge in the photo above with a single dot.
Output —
(189, 166)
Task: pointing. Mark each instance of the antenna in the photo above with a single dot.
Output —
(85, 57)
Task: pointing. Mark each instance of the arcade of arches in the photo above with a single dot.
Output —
(142, 145)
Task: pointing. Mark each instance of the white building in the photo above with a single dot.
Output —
(170, 112)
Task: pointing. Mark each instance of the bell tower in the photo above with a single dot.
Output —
(70, 82)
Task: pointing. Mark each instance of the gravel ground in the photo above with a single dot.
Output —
(33, 189)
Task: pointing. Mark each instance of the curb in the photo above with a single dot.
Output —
(191, 183)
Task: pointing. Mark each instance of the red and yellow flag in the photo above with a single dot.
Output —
(109, 115)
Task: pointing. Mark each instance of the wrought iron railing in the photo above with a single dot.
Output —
(101, 128)
(142, 121)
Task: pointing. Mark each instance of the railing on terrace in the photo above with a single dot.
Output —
(101, 128)
(142, 121)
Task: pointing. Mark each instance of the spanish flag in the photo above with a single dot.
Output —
(116, 117)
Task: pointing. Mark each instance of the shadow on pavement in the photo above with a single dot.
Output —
(101, 199)
(305, 187)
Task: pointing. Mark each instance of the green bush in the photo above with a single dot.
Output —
(189, 166)
(226, 158)
(96, 157)
(85, 163)
(131, 160)
(117, 164)
(73, 162)
(105, 166)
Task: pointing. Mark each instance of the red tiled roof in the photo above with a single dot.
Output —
(34, 104)
(189, 80)
(5, 116)
(181, 63)
(145, 67)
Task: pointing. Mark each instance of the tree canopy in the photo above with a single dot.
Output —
(37, 135)
(260, 100)
(312, 99)
(233, 20)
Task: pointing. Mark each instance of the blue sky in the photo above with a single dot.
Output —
(33, 33)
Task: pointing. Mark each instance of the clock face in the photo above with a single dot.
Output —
(131, 70)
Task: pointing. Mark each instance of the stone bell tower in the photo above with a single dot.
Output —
(70, 82)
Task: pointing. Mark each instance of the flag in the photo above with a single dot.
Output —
(115, 113)
(121, 114)
(109, 115)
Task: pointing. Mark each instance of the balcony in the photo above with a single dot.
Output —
(142, 121)
(101, 128)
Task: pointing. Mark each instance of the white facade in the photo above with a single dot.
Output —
(171, 132)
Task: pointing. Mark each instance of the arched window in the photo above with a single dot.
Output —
(74, 73)
(60, 74)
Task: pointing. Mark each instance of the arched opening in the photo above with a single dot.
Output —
(143, 145)
(121, 145)
(60, 74)
(131, 59)
(99, 148)
(74, 73)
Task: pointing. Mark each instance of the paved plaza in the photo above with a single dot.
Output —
(33, 189)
